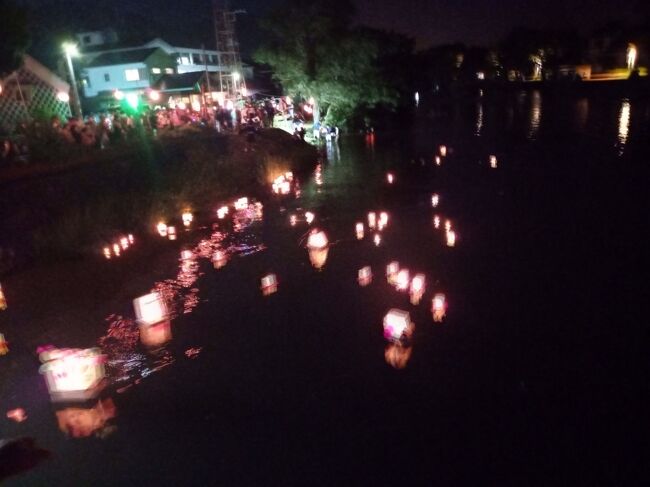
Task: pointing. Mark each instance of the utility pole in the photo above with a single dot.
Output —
(228, 47)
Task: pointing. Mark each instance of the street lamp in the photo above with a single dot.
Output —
(71, 50)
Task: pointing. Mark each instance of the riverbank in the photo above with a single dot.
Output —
(77, 210)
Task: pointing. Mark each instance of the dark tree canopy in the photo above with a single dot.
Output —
(15, 37)
(314, 52)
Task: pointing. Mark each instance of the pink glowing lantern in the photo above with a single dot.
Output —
(451, 238)
(365, 276)
(397, 325)
(435, 199)
(402, 280)
(443, 150)
(372, 219)
(162, 229)
(439, 307)
(438, 161)
(171, 232)
(447, 225)
(156, 335)
(107, 252)
(131, 239)
(493, 162)
(390, 178)
(359, 231)
(116, 250)
(124, 243)
(377, 239)
(222, 212)
(241, 203)
(293, 220)
(309, 217)
(436, 221)
(317, 240)
(72, 373)
(269, 284)
(150, 309)
(187, 218)
(383, 219)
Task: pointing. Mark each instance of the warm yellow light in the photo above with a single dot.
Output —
(631, 56)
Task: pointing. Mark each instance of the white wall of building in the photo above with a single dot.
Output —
(111, 78)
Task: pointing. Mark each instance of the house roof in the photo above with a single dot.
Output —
(122, 57)
(41, 72)
(179, 82)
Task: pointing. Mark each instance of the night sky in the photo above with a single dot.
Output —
(430, 22)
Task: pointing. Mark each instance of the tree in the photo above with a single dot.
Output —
(314, 53)
(15, 37)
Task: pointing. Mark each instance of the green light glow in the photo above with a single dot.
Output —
(133, 100)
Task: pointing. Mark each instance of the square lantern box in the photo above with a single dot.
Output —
(150, 309)
(73, 374)
(269, 284)
(397, 325)
(365, 276)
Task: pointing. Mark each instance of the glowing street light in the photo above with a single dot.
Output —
(154, 95)
(63, 97)
(71, 50)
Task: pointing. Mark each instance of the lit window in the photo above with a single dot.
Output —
(155, 70)
(184, 60)
(169, 70)
(132, 74)
(107, 77)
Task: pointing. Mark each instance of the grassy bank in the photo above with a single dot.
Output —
(72, 212)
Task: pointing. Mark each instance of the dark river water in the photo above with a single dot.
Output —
(535, 376)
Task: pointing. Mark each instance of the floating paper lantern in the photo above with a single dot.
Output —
(293, 220)
(359, 230)
(317, 240)
(162, 229)
(397, 325)
(451, 238)
(309, 217)
(377, 240)
(391, 272)
(417, 288)
(402, 280)
(438, 307)
(269, 284)
(187, 218)
(3, 300)
(435, 199)
(222, 212)
(372, 219)
(124, 243)
(131, 239)
(493, 162)
(436, 221)
(288, 175)
(219, 259)
(241, 203)
(72, 373)
(150, 309)
(383, 219)
(171, 232)
(438, 160)
(443, 150)
(116, 250)
(390, 178)
(447, 225)
(365, 276)
(107, 252)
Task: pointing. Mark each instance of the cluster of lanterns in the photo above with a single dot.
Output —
(119, 247)
(282, 184)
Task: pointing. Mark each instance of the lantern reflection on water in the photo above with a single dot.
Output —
(397, 355)
(72, 374)
(417, 289)
(365, 276)
(318, 257)
(79, 422)
(219, 259)
(171, 232)
(359, 230)
(439, 307)
(397, 325)
(162, 229)
(155, 335)
(269, 284)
